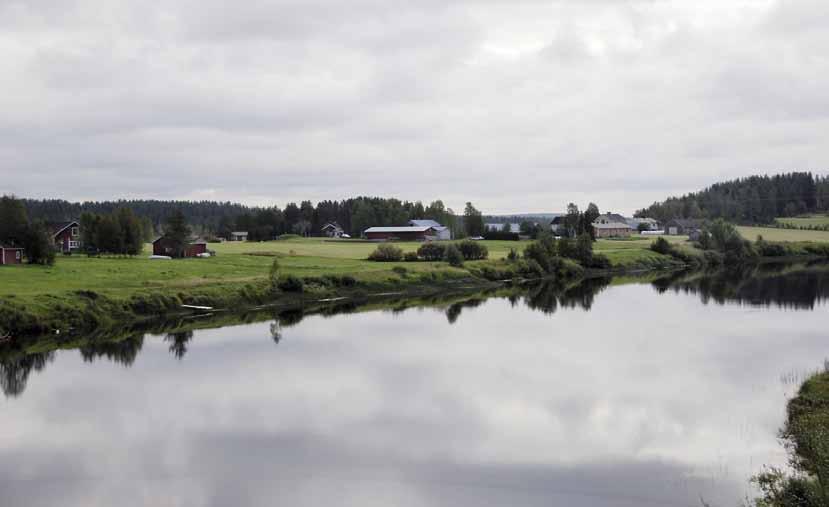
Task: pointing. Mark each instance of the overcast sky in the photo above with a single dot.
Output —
(514, 105)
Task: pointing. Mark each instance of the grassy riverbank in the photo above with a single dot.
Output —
(80, 292)
(806, 435)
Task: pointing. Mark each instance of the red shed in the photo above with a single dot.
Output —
(401, 233)
(166, 246)
(10, 255)
(66, 236)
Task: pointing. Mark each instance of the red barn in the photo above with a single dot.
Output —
(409, 233)
(10, 255)
(66, 236)
(166, 246)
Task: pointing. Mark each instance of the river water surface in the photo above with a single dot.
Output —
(648, 393)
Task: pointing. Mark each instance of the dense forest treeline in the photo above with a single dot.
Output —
(751, 200)
(354, 215)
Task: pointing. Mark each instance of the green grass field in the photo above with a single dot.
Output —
(788, 235)
(806, 221)
(243, 262)
(237, 263)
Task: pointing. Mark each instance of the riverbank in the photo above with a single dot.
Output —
(79, 294)
(806, 439)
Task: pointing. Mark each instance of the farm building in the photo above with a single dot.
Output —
(680, 226)
(332, 230)
(166, 246)
(611, 229)
(66, 236)
(239, 236)
(10, 255)
(442, 231)
(557, 225)
(611, 225)
(408, 233)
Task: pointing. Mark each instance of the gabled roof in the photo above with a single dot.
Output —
(239, 233)
(400, 229)
(335, 225)
(426, 223)
(611, 217)
(58, 227)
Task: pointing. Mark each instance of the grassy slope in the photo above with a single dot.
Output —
(788, 235)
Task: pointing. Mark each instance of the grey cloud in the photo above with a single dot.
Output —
(403, 99)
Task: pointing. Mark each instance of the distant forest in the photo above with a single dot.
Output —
(354, 215)
(751, 200)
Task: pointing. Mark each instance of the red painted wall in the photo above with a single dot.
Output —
(10, 256)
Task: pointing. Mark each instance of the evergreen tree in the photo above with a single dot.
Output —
(178, 232)
(473, 221)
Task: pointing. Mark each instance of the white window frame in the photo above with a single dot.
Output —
(75, 232)
(73, 244)
(17, 255)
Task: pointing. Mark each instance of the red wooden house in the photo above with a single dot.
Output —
(66, 236)
(10, 255)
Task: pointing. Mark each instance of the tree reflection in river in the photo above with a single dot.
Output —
(774, 284)
(15, 370)
(178, 342)
(118, 351)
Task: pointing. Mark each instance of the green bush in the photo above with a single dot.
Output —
(662, 246)
(473, 250)
(598, 261)
(512, 256)
(432, 251)
(386, 253)
(454, 256)
(291, 283)
(400, 270)
(410, 257)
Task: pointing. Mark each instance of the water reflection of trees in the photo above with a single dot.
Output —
(178, 342)
(548, 297)
(123, 351)
(778, 285)
(15, 370)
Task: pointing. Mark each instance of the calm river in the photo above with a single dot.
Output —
(656, 393)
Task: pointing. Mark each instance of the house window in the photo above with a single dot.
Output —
(75, 232)
(73, 244)
(17, 254)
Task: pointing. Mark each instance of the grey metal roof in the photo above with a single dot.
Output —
(427, 223)
(399, 229)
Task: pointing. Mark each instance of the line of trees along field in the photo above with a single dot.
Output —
(354, 215)
(751, 200)
(17, 230)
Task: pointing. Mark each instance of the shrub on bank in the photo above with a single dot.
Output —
(410, 257)
(386, 253)
(432, 251)
(291, 283)
(454, 256)
(473, 250)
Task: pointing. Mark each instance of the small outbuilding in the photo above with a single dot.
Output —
(332, 230)
(682, 226)
(10, 255)
(239, 236)
(166, 246)
(409, 233)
